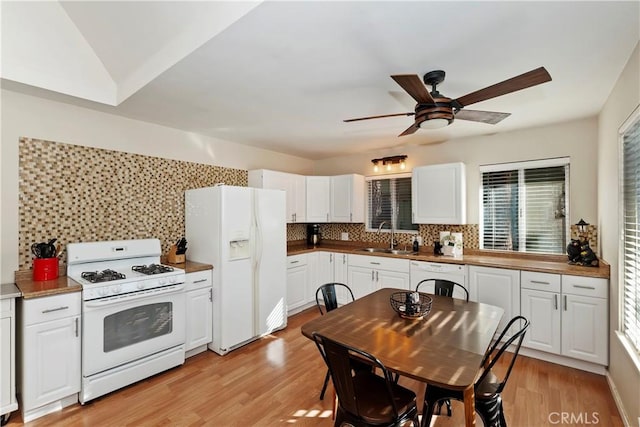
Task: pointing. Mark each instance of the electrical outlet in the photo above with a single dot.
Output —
(344, 236)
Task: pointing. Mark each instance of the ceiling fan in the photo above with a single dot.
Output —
(435, 110)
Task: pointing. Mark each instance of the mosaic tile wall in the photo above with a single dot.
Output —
(82, 194)
(429, 233)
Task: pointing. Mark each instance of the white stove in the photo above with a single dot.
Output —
(133, 312)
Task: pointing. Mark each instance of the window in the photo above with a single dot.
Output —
(524, 206)
(389, 201)
(630, 248)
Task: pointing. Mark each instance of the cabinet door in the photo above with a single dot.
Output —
(347, 198)
(318, 198)
(324, 273)
(499, 287)
(199, 318)
(438, 194)
(292, 184)
(297, 286)
(392, 279)
(341, 275)
(296, 198)
(6, 351)
(543, 311)
(51, 353)
(361, 281)
(584, 328)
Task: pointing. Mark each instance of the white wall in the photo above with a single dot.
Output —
(624, 98)
(576, 139)
(28, 116)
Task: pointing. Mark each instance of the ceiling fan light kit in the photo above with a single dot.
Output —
(434, 110)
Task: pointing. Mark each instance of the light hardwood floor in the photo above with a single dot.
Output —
(277, 380)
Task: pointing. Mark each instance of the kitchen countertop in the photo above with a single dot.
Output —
(556, 264)
(9, 290)
(35, 289)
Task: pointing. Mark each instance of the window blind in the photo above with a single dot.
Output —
(631, 232)
(389, 201)
(525, 208)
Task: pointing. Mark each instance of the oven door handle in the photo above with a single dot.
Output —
(121, 299)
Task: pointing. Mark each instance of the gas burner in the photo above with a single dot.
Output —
(152, 269)
(103, 276)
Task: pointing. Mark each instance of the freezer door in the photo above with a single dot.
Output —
(270, 260)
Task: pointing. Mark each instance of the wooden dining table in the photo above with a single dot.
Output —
(444, 348)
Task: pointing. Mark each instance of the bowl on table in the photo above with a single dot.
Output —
(411, 305)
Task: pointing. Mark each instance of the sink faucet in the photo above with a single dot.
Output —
(380, 228)
(392, 243)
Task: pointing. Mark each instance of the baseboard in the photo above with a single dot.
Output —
(564, 361)
(618, 401)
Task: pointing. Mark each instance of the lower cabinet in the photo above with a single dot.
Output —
(8, 402)
(568, 315)
(199, 311)
(499, 287)
(297, 282)
(50, 353)
(367, 274)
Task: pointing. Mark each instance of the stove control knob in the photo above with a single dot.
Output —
(140, 285)
(102, 291)
(116, 289)
(162, 282)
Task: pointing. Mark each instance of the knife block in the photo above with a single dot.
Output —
(173, 258)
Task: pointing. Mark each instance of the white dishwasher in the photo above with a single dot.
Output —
(421, 270)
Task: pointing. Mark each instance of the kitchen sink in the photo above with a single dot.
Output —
(386, 251)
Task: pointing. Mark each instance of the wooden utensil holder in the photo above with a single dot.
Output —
(174, 258)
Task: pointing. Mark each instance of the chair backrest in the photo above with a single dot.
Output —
(340, 358)
(443, 287)
(329, 296)
(499, 347)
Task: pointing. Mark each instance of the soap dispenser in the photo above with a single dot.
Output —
(416, 247)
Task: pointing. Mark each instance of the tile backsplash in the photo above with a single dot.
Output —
(81, 194)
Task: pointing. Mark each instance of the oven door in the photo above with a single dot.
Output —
(119, 330)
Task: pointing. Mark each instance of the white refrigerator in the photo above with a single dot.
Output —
(241, 231)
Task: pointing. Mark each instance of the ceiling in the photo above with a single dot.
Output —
(283, 75)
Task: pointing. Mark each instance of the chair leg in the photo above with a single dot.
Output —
(324, 386)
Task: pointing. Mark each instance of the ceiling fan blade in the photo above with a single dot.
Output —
(523, 81)
(412, 84)
(379, 117)
(489, 117)
(411, 129)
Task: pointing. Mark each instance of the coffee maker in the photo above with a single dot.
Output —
(313, 235)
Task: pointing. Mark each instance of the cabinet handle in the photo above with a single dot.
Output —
(565, 303)
(327, 217)
(330, 257)
(538, 282)
(211, 295)
(584, 287)
(50, 310)
(555, 301)
(294, 262)
(372, 275)
(344, 258)
(295, 217)
(374, 263)
(76, 326)
(199, 280)
(377, 277)
(351, 217)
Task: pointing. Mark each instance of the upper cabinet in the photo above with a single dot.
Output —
(294, 185)
(438, 194)
(318, 198)
(347, 198)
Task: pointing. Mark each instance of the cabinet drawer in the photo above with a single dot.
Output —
(379, 263)
(587, 286)
(49, 308)
(296, 260)
(540, 281)
(198, 279)
(6, 306)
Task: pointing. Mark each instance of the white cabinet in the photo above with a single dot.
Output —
(568, 315)
(367, 274)
(318, 198)
(297, 282)
(8, 402)
(438, 194)
(584, 318)
(294, 185)
(347, 198)
(499, 287)
(199, 310)
(50, 353)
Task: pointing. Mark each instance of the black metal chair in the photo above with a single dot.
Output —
(364, 398)
(444, 287)
(488, 387)
(330, 302)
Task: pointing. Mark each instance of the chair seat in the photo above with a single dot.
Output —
(373, 403)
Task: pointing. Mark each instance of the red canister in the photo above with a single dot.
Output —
(45, 268)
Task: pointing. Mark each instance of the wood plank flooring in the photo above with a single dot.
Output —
(277, 381)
